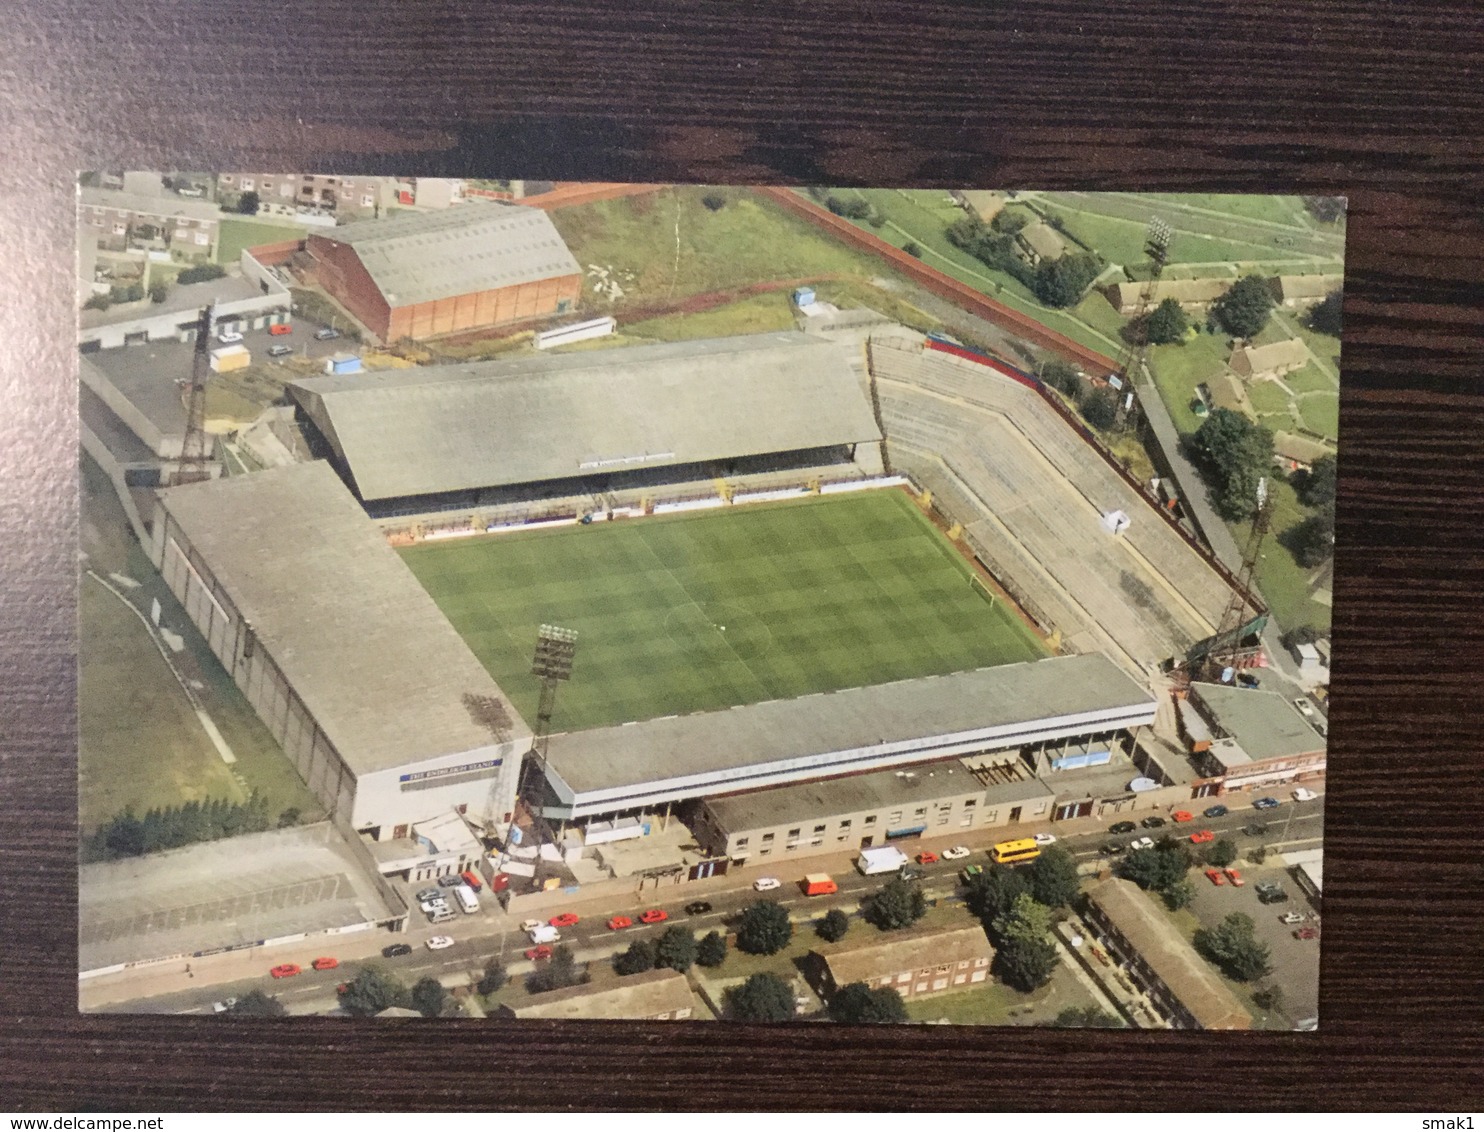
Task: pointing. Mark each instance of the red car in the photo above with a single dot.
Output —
(285, 970)
(565, 920)
(542, 952)
(1182, 815)
(927, 857)
(325, 963)
(618, 923)
(1215, 877)
(1201, 836)
(1306, 933)
(280, 328)
(471, 880)
(1235, 877)
(654, 916)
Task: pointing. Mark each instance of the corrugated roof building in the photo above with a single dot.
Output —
(428, 273)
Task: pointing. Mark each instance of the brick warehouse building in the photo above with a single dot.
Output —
(423, 274)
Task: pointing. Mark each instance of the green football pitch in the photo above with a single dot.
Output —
(698, 612)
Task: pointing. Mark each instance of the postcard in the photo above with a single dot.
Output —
(809, 605)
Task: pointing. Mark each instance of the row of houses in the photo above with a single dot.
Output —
(1195, 296)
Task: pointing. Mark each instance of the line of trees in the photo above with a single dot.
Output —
(1017, 907)
(1234, 454)
(170, 827)
(1058, 283)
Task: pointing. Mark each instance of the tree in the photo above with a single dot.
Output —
(675, 949)
(1178, 895)
(428, 997)
(248, 203)
(1243, 310)
(1010, 222)
(1312, 541)
(1062, 376)
(1222, 853)
(561, 970)
(1026, 919)
(764, 928)
(1090, 1016)
(159, 291)
(1328, 315)
(1099, 405)
(1330, 210)
(762, 998)
(833, 927)
(913, 248)
(1053, 876)
(1158, 868)
(1061, 282)
(289, 817)
(256, 1004)
(127, 292)
(897, 904)
(1269, 998)
(1235, 454)
(1166, 323)
(495, 976)
(371, 992)
(98, 302)
(712, 950)
(201, 273)
(714, 201)
(1316, 488)
(639, 957)
(993, 893)
(1232, 947)
(857, 1003)
(1027, 963)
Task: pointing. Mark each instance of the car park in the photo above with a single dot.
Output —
(1217, 811)
(541, 952)
(698, 908)
(1182, 816)
(439, 942)
(1152, 822)
(1215, 877)
(957, 853)
(393, 950)
(1303, 794)
(429, 894)
(927, 857)
(1234, 876)
(325, 963)
(326, 334)
(1044, 839)
(285, 970)
(1122, 827)
(280, 328)
(563, 920)
(1201, 836)
(654, 916)
(1265, 804)
(1141, 843)
(618, 923)
(223, 1006)
(766, 884)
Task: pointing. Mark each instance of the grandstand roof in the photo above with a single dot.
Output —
(422, 256)
(907, 721)
(550, 417)
(372, 658)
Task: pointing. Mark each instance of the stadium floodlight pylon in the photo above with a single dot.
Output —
(1219, 651)
(1132, 358)
(552, 665)
(194, 465)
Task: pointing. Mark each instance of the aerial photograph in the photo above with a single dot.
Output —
(526, 599)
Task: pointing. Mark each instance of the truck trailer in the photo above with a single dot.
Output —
(887, 859)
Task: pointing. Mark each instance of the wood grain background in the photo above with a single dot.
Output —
(1381, 102)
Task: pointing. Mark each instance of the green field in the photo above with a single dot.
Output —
(700, 612)
(239, 234)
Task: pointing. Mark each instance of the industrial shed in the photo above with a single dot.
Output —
(428, 273)
(588, 416)
(374, 697)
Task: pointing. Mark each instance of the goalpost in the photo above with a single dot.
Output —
(978, 583)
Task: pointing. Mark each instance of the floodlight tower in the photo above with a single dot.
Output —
(1131, 360)
(194, 463)
(555, 648)
(1223, 645)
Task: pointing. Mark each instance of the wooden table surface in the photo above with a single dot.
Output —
(1381, 102)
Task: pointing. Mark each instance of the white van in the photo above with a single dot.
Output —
(467, 900)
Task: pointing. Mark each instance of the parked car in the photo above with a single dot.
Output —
(280, 328)
(432, 906)
(325, 963)
(1306, 932)
(1201, 836)
(766, 884)
(429, 894)
(1275, 896)
(1141, 843)
(393, 950)
(228, 337)
(1303, 794)
(927, 857)
(1182, 816)
(1215, 877)
(654, 916)
(450, 881)
(1234, 876)
(1217, 811)
(1255, 829)
(542, 952)
(223, 1006)
(1044, 839)
(1111, 848)
(285, 970)
(957, 853)
(618, 923)
(970, 872)
(1292, 918)
(439, 942)
(1303, 704)
(472, 880)
(563, 919)
(698, 908)
(326, 334)
(1265, 804)
(1122, 827)
(280, 351)
(1152, 823)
